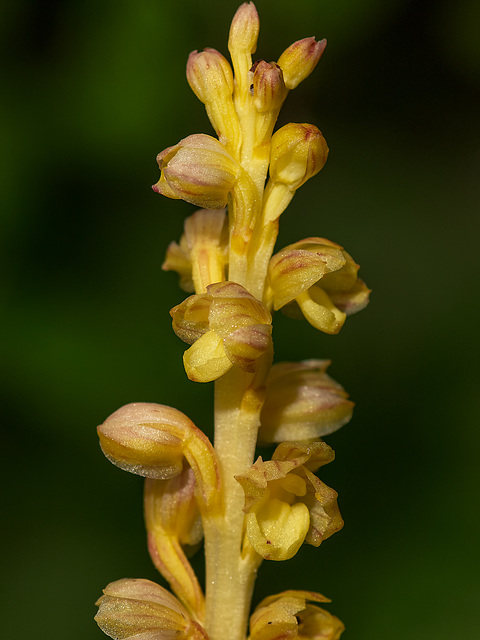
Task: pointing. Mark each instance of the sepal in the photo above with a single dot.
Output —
(302, 403)
(143, 610)
(289, 615)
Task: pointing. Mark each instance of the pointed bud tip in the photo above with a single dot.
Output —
(244, 29)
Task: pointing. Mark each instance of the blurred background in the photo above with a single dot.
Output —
(92, 91)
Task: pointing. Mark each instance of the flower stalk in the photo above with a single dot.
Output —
(247, 511)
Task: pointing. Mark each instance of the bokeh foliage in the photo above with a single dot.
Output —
(92, 91)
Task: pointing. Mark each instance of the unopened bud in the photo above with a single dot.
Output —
(198, 170)
(298, 152)
(244, 30)
(269, 89)
(145, 439)
(300, 59)
(211, 78)
(209, 75)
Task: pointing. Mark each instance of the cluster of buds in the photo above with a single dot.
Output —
(245, 511)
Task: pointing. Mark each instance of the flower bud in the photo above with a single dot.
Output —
(269, 89)
(209, 75)
(244, 30)
(302, 403)
(198, 170)
(298, 152)
(211, 79)
(300, 59)
(152, 440)
(142, 609)
(145, 439)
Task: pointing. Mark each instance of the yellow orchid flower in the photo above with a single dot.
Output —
(286, 504)
(226, 326)
(317, 278)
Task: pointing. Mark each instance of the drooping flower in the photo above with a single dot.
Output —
(226, 327)
(142, 610)
(153, 440)
(290, 615)
(286, 504)
(199, 170)
(317, 278)
(302, 402)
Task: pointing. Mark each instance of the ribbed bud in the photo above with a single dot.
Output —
(152, 440)
(145, 439)
(211, 78)
(244, 30)
(143, 610)
(226, 326)
(286, 504)
(269, 91)
(298, 152)
(287, 615)
(198, 170)
(320, 278)
(302, 403)
(209, 75)
(300, 59)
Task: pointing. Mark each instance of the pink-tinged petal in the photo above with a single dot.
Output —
(142, 610)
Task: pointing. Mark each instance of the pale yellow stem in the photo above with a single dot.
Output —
(230, 578)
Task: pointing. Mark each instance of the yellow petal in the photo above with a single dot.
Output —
(206, 360)
(275, 529)
(320, 311)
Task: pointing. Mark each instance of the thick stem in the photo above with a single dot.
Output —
(230, 578)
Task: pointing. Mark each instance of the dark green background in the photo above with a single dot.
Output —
(92, 91)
